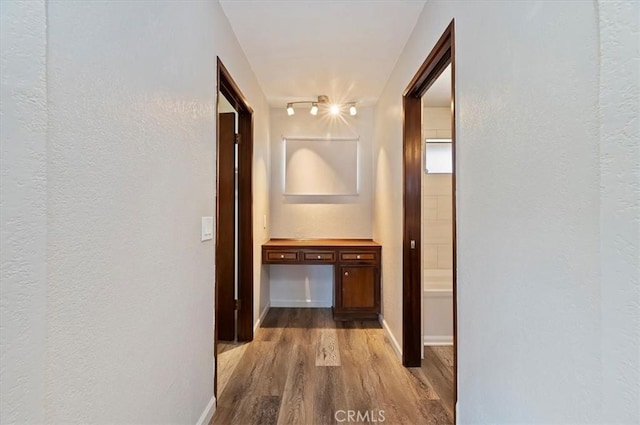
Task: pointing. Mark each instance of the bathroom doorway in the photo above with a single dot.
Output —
(437, 239)
(429, 239)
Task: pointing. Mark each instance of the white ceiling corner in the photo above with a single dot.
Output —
(300, 49)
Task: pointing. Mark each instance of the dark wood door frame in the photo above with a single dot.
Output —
(227, 86)
(440, 57)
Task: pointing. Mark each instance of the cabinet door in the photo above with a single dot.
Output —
(358, 287)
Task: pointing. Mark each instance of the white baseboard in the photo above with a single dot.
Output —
(261, 318)
(438, 340)
(206, 416)
(301, 303)
(394, 341)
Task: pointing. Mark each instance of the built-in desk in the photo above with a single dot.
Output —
(356, 264)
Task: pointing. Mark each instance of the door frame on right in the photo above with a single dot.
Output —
(438, 59)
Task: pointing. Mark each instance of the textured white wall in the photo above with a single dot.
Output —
(23, 215)
(620, 209)
(533, 329)
(130, 169)
(316, 216)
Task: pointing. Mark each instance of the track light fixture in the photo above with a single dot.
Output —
(334, 109)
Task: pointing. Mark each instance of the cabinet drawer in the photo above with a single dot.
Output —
(320, 256)
(282, 255)
(358, 256)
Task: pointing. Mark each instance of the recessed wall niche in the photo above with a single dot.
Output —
(320, 167)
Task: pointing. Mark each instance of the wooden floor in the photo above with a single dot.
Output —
(229, 355)
(304, 368)
(437, 367)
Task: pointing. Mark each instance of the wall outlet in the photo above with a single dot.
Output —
(206, 229)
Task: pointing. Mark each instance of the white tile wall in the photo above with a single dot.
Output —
(436, 184)
(445, 256)
(437, 231)
(430, 207)
(437, 121)
(444, 208)
(437, 245)
(431, 134)
(430, 252)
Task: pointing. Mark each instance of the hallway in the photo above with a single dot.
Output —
(110, 224)
(305, 368)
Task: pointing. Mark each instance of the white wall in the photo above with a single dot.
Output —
(437, 231)
(620, 209)
(437, 316)
(321, 216)
(316, 216)
(436, 120)
(23, 214)
(437, 237)
(537, 192)
(129, 155)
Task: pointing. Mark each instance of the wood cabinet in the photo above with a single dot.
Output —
(357, 292)
(356, 262)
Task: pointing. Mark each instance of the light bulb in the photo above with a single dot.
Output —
(334, 109)
(314, 109)
(352, 110)
(290, 110)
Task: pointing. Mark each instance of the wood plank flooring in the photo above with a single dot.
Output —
(229, 355)
(304, 368)
(437, 367)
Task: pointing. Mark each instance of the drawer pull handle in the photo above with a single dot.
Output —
(319, 257)
(346, 273)
(358, 257)
(281, 255)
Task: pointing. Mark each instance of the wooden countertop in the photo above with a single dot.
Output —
(302, 243)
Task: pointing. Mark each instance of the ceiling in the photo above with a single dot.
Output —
(300, 49)
(439, 94)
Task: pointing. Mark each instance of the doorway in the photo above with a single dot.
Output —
(441, 58)
(233, 304)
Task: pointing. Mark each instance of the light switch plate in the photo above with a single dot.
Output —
(207, 229)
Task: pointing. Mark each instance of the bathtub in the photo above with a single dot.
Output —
(437, 307)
